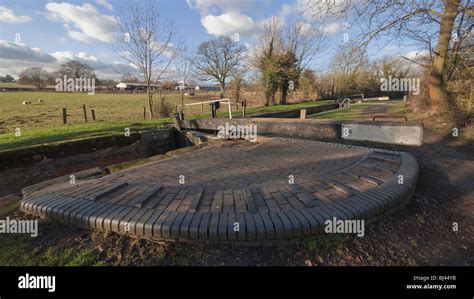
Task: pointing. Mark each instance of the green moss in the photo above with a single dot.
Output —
(323, 242)
(9, 208)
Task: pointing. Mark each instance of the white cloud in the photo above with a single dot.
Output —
(21, 52)
(333, 28)
(210, 6)
(321, 9)
(88, 24)
(105, 4)
(8, 16)
(16, 57)
(228, 24)
(417, 54)
(224, 17)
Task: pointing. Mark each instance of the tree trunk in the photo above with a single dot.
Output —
(222, 88)
(284, 91)
(182, 101)
(437, 89)
(150, 102)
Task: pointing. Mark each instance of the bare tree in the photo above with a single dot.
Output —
(75, 69)
(184, 70)
(397, 18)
(348, 59)
(129, 78)
(218, 58)
(146, 43)
(34, 75)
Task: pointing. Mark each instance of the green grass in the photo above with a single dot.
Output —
(288, 106)
(42, 123)
(68, 132)
(111, 108)
(9, 208)
(5, 84)
(356, 111)
(68, 257)
(108, 107)
(322, 242)
(17, 250)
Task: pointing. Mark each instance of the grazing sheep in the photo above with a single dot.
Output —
(40, 101)
(26, 102)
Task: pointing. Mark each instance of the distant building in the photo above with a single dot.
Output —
(186, 87)
(134, 86)
(194, 87)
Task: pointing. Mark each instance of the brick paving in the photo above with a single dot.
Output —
(277, 189)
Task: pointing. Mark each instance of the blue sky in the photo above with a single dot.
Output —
(48, 33)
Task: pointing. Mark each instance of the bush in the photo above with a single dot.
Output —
(165, 109)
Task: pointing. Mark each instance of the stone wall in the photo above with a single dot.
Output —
(273, 126)
(403, 133)
(31, 165)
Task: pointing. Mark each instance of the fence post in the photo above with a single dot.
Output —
(93, 114)
(202, 109)
(85, 112)
(64, 116)
(144, 113)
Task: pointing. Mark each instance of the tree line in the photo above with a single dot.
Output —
(281, 60)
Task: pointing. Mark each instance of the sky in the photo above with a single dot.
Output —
(49, 33)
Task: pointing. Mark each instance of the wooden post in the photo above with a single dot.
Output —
(405, 99)
(64, 116)
(93, 114)
(202, 109)
(144, 113)
(85, 112)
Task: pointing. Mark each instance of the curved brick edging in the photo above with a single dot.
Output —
(267, 210)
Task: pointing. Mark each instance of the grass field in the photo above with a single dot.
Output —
(109, 107)
(117, 107)
(43, 123)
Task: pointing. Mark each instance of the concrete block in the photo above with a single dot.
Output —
(391, 133)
